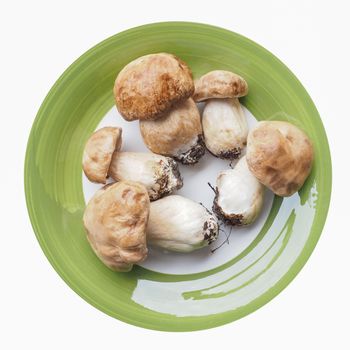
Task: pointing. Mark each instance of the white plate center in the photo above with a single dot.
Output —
(195, 187)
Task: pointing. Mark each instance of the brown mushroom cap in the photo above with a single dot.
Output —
(98, 153)
(150, 85)
(115, 220)
(280, 156)
(219, 84)
(178, 133)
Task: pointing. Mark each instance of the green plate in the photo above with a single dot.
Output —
(53, 183)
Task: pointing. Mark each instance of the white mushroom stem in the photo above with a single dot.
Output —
(239, 195)
(225, 127)
(180, 224)
(159, 174)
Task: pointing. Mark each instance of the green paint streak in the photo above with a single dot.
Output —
(286, 232)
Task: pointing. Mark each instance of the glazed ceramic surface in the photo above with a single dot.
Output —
(173, 292)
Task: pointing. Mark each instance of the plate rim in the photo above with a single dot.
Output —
(254, 305)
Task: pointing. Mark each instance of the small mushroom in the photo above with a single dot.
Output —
(219, 84)
(177, 134)
(239, 195)
(225, 127)
(280, 156)
(115, 220)
(150, 85)
(180, 224)
(160, 175)
(98, 153)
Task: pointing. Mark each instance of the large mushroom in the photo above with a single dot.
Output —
(150, 85)
(115, 220)
(280, 156)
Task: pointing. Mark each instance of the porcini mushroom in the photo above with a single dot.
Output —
(280, 156)
(179, 224)
(219, 84)
(239, 195)
(98, 153)
(115, 220)
(160, 175)
(150, 85)
(225, 127)
(177, 134)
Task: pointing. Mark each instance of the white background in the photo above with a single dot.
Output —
(39, 39)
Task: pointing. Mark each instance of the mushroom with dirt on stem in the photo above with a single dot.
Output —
(179, 224)
(224, 124)
(238, 195)
(159, 174)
